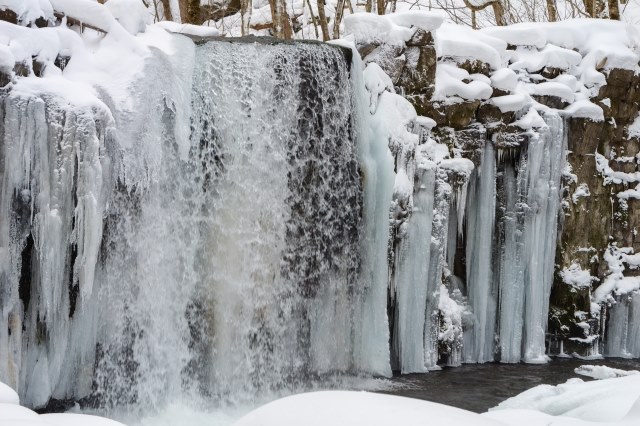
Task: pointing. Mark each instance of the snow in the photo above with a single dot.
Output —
(449, 83)
(131, 14)
(609, 400)
(393, 29)
(8, 395)
(509, 103)
(12, 414)
(427, 21)
(612, 176)
(585, 109)
(576, 277)
(462, 43)
(189, 29)
(504, 79)
(616, 282)
(634, 128)
(7, 61)
(28, 10)
(551, 88)
(358, 409)
(581, 191)
(603, 372)
(530, 120)
(369, 28)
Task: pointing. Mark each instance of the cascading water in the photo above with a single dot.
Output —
(232, 262)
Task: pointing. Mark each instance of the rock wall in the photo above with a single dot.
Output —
(501, 88)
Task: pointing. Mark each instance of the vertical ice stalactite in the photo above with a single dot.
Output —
(545, 161)
(54, 188)
(512, 268)
(479, 339)
(412, 276)
(622, 332)
(371, 338)
(443, 200)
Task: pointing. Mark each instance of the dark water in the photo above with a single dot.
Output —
(478, 387)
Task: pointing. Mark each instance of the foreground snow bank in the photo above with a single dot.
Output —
(12, 414)
(358, 408)
(614, 400)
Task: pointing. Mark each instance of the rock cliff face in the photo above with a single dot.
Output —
(553, 125)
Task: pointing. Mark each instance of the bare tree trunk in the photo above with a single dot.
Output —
(193, 13)
(245, 16)
(498, 11)
(338, 18)
(369, 6)
(183, 6)
(381, 6)
(614, 10)
(166, 10)
(280, 19)
(474, 22)
(313, 18)
(323, 21)
(551, 11)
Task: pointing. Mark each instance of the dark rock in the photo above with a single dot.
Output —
(420, 38)
(472, 67)
(551, 72)
(38, 67)
(4, 79)
(390, 59)
(62, 61)
(22, 69)
(9, 15)
(508, 136)
(489, 113)
(365, 49)
(419, 79)
(551, 101)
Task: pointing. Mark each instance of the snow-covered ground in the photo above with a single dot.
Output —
(611, 401)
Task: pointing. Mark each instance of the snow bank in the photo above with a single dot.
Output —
(188, 29)
(602, 372)
(462, 43)
(616, 282)
(608, 400)
(12, 414)
(8, 395)
(359, 409)
(28, 10)
(393, 29)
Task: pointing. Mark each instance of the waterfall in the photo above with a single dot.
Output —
(220, 237)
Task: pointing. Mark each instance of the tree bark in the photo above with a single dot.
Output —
(381, 6)
(498, 12)
(551, 11)
(368, 7)
(166, 10)
(614, 10)
(280, 19)
(338, 19)
(322, 16)
(193, 13)
(245, 15)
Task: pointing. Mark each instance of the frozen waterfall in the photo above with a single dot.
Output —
(218, 237)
